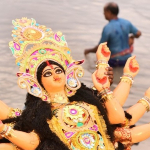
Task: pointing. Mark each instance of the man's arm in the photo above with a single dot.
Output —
(91, 50)
(138, 34)
(134, 30)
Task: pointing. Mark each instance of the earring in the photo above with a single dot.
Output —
(26, 81)
(45, 96)
(72, 83)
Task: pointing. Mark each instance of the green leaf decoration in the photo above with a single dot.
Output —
(63, 38)
(33, 22)
(12, 50)
(79, 124)
(15, 24)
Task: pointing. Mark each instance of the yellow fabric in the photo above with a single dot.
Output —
(78, 134)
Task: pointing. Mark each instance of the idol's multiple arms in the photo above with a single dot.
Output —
(21, 139)
(25, 141)
(138, 133)
(130, 70)
(138, 110)
(114, 104)
(115, 112)
(101, 82)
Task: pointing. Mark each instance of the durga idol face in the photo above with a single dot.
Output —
(53, 78)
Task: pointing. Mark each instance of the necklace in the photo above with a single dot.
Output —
(59, 98)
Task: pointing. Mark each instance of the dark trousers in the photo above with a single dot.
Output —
(117, 63)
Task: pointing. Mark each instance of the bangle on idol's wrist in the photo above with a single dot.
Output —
(147, 98)
(104, 91)
(128, 75)
(5, 129)
(106, 94)
(146, 102)
(127, 78)
(7, 132)
(94, 88)
(101, 64)
(102, 61)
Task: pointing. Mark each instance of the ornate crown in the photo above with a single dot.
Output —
(32, 45)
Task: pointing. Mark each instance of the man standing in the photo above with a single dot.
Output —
(116, 34)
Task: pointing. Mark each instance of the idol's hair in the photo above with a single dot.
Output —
(37, 112)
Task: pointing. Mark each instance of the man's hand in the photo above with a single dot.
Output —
(91, 50)
(86, 51)
(109, 72)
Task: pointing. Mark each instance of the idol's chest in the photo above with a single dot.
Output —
(76, 117)
(79, 126)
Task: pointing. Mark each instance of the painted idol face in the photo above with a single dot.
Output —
(53, 78)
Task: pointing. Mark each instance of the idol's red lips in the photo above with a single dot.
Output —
(57, 79)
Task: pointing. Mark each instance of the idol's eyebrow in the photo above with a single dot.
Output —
(49, 69)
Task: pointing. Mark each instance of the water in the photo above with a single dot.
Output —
(81, 21)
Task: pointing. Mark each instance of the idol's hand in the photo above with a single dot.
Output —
(1, 126)
(110, 74)
(100, 82)
(103, 52)
(131, 67)
(147, 93)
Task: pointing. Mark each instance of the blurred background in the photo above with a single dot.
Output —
(81, 21)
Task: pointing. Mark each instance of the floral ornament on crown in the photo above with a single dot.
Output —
(34, 44)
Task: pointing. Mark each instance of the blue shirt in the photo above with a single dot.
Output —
(115, 33)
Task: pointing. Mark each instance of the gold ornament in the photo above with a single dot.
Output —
(59, 98)
(127, 80)
(34, 44)
(145, 104)
(13, 113)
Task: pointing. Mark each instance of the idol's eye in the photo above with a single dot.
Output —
(58, 71)
(47, 74)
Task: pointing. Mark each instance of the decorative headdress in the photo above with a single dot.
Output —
(34, 44)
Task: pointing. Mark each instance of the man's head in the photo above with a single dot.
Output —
(111, 11)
